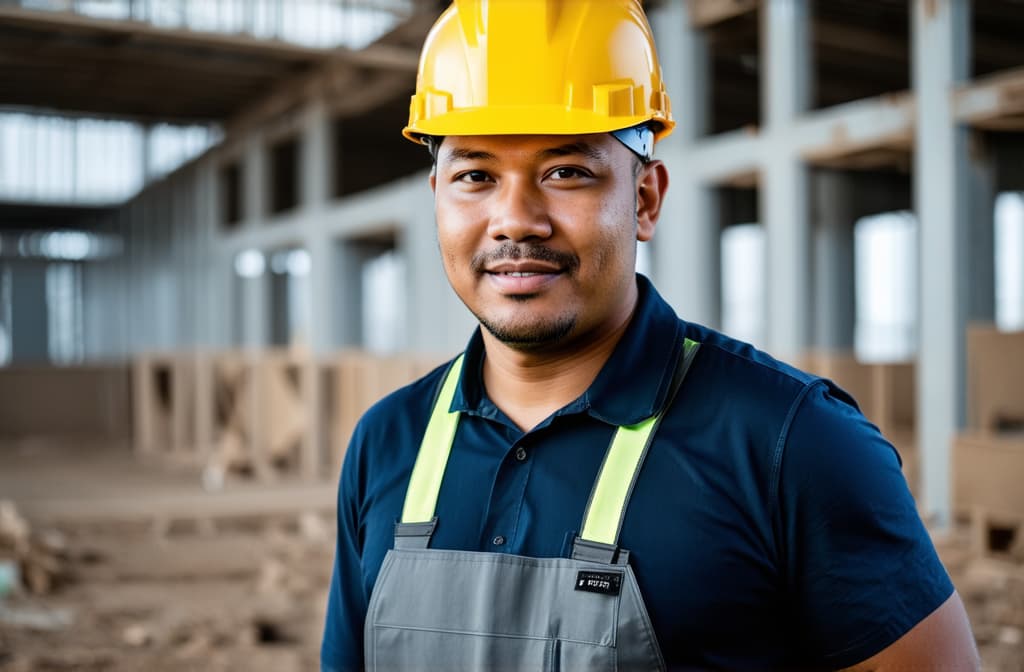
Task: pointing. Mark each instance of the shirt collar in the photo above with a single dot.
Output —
(633, 384)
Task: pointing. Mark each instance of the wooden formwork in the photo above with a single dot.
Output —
(988, 470)
(357, 381)
(262, 408)
(988, 457)
(269, 413)
(164, 404)
(995, 379)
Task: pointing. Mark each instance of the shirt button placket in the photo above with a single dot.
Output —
(521, 454)
(498, 540)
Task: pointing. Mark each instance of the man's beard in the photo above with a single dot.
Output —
(533, 336)
(524, 336)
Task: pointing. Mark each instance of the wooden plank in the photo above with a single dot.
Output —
(995, 369)
(706, 13)
(205, 406)
(142, 404)
(987, 471)
(182, 401)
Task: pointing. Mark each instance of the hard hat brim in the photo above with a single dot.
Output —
(529, 120)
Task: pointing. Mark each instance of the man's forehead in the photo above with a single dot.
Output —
(598, 147)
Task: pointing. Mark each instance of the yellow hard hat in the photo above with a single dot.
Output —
(559, 67)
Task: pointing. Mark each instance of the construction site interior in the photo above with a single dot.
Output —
(217, 251)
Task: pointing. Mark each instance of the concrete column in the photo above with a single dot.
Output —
(255, 298)
(833, 261)
(686, 246)
(29, 316)
(941, 33)
(981, 252)
(322, 324)
(786, 60)
(785, 90)
(439, 320)
(315, 157)
(687, 251)
(254, 180)
(684, 56)
(315, 186)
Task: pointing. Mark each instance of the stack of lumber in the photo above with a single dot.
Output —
(988, 456)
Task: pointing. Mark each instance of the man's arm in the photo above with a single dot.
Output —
(942, 641)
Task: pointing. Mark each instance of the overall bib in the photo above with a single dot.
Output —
(434, 609)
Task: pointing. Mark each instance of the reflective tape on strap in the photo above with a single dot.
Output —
(428, 472)
(610, 496)
(608, 501)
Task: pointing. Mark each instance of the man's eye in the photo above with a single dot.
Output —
(473, 176)
(567, 173)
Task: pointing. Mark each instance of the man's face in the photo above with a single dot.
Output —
(538, 233)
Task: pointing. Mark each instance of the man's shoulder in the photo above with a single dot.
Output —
(744, 365)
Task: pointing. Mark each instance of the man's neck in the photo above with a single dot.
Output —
(529, 386)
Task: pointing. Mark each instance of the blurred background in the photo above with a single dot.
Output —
(216, 251)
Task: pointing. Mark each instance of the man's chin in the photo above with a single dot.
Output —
(530, 337)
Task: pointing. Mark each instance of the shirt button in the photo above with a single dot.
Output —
(521, 454)
(498, 540)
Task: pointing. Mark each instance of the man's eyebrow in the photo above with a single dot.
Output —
(571, 148)
(460, 154)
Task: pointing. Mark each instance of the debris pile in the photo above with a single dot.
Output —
(39, 559)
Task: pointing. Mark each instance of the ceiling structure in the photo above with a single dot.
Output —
(60, 62)
(860, 50)
(66, 62)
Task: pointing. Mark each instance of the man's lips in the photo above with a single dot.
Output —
(522, 268)
(516, 278)
(517, 269)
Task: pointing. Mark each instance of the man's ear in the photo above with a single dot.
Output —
(651, 185)
(433, 179)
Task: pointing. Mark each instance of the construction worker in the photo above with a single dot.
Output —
(595, 484)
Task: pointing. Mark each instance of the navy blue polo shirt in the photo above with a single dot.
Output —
(770, 528)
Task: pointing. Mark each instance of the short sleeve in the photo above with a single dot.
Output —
(860, 566)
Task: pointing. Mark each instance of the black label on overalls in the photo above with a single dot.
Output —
(606, 583)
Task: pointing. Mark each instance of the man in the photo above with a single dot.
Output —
(595, 484)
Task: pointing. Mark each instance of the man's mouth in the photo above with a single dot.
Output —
(524, 274)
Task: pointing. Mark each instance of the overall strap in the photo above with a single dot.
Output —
(418, 520)
(602, 522)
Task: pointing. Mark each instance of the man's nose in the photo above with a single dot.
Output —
(520, 213)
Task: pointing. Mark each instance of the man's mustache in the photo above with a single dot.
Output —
(509, 251)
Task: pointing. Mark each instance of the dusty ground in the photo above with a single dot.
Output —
(143, 588)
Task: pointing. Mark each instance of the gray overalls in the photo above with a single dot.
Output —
(435, 609)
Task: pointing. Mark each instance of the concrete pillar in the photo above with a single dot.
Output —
(785, 90)
(941, 34)
(686, 246)
(786, 60)
(254, 180)
(437, 317)
(316, 180)
(315, 157)
(981, 252)
(29, 316)
(833, 261)
(323, 256)
(255, 304)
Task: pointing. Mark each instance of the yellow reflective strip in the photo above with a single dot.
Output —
(689, 346)
(425, 482)
(620, 465)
